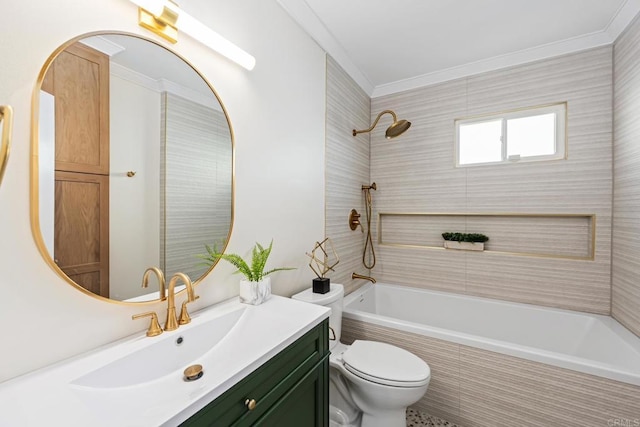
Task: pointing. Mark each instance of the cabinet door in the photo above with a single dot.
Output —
(81, 241)
(295, 381)
(79, 81)
(304, 405)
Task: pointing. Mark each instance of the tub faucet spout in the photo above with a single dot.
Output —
(360, 276)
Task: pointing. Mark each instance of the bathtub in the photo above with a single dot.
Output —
(587, 343)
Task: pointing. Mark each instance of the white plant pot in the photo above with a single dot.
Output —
(255, 293)
(465, 246)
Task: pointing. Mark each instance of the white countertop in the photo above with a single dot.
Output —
(48, 397)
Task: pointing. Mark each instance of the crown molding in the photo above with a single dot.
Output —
(164, 85)
(537, 53)
(190, 94)
(623, 17)
(618, 23)
(103, 45)
(300, 11)
(306, 18)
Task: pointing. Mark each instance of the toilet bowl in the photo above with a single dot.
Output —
(371, 383)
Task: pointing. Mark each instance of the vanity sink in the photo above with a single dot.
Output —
(139, 380)
(169, 354)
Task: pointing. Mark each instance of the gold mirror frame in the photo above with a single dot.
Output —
(34, 165)
(6, 120)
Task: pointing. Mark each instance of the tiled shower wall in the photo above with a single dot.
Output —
(196, 144)
(347, 169)
(416, 173)
(626, 194)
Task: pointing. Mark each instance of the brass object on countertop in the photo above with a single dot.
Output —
(397, 128)
(154, 326)
(161, 282)
(360, 276)
(328, 261)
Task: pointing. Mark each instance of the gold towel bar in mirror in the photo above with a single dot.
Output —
(6, 118)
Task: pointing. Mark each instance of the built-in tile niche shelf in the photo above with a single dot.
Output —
(569, 236)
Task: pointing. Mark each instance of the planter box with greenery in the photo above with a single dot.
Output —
(464, 241)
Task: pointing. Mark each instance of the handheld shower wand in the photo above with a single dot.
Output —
(369, 240)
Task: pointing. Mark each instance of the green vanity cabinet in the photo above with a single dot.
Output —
(291, 389)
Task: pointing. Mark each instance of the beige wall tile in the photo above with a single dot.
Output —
(416, 173)
(441, 398)
(626, 200)
(347, 169)
(499, 390)
(474, 387)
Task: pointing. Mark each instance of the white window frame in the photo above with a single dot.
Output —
(560, 111)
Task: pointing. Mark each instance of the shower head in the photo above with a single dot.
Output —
(373, 186)
(397, 128)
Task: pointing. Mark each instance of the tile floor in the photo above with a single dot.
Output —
(420, 419)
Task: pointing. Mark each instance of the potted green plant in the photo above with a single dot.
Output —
(256, 286)
(464, 241)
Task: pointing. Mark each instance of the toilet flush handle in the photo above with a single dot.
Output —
(332, 333)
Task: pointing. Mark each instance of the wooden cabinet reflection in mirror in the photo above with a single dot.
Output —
(79, 81)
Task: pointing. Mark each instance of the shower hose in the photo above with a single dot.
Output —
(368, 244)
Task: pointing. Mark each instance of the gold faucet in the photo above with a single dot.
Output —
(171, 323)
(360, 276)
(154, 326)
(191, 297)
(159, 275)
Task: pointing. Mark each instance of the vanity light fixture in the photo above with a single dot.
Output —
(164, 17)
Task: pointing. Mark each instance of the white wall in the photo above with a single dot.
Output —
(279, 173)
(134, 202)
(46, 162)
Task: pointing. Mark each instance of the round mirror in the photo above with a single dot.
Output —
(132, 166)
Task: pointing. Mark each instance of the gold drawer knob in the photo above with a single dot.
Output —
(250, 404)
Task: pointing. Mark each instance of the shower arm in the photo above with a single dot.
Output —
(375, 122)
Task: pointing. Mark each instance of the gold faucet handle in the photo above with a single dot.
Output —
(154, 326)
(184, 314)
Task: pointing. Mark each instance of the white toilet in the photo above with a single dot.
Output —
(371, 383)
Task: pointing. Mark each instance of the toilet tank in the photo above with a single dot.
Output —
(332, 299)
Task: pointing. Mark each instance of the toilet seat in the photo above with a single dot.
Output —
(386, 364)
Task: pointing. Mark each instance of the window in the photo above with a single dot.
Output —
(521, 135)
